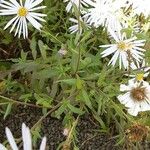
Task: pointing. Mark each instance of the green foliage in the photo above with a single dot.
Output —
(79, 81)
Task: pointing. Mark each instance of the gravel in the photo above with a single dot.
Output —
(87, 130)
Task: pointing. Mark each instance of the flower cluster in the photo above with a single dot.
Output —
(26, 137)
(126, 50)
(111, 14)
(23, 13)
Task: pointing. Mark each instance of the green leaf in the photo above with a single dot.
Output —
(43, 49)
(61, 109)
(86, 36)
(68, 81)
(103, 126)
(36, 134)
(75, 109)
(43, 100)
(86, 98)
(33, 48)
(25, 96)
(45, 73)
(79, 83)
(8, 110)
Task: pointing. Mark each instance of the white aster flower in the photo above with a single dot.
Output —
(77, 3)
(26, 137)
(141, 71)
(24, 12)
(136, 98)
(124, 49)
(103, 12)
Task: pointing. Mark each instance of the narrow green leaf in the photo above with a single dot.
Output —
(75, 109)
(86, 99)
(8, 110)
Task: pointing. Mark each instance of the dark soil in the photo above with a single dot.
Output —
(88, 137)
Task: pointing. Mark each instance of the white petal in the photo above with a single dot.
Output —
(124, 60)
(3, 147)
(134, 111)
(68, 8)
(43, 144)
(5, 6)
(8, 13)
(26, 28)
(10, 22)
(108, 51)
(27, 4)
(14, 24)
(37, 8)
(21, 27)
(113, 34)
(15, 3)
(35, 3)
(18, 26)
(9, 4)
(144, 106)
(34, 22)
(35, 16)
(126, 100)
(11, 139)
(145, 84)
(26, 137)
(114, 58)
(124, 87)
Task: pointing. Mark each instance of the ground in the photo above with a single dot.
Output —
(88, 137)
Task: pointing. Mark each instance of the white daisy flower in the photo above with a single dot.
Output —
(26, 137)
(136, 98)
(74, 2)
(24, 12)
(103, 12)
(124, 49)
(141, 71)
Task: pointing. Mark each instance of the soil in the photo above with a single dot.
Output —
(88, 137)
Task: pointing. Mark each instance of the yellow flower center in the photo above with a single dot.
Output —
(139, 76)
(22, 12)
(124, 46)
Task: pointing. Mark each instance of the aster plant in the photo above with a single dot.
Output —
(92, 55)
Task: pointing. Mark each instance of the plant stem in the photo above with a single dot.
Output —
(43, 117)
(21, 103)
(79, 49)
